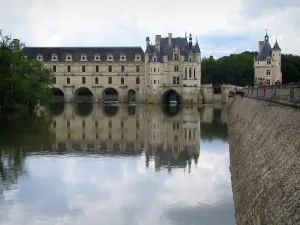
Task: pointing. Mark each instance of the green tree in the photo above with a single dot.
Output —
(23, 83)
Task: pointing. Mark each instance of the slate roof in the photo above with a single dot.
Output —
(265, 51)
(166, 49)
(61, 52)
(276, 46)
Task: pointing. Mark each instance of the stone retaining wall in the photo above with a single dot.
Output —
(264, 140)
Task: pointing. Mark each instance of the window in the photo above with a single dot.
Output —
(175, 80)
(176, 68)
(185, 73)
(122, 80)
(268, 61)
(176, 57)
(268, 72)
(54, 68)
(190, 72)
(154, 69)
(154, 59)
(68, 80)
(83, 68)
(137, 57)
(54, 57)
(109, 124)
(110, 68)
(83, 80)
(194, 72)
(96, 123)
(137, 80)
(109, 80)
(96, 80)
(137, 68)
(54, 80)
(157, 69)
(83, 58)
(69, 68)
(154, 81)
(122, 68)
(97, 68)
(175, 138)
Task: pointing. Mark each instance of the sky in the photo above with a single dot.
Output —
(222, 27)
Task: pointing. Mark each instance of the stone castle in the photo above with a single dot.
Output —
(267, 65)
(169, 70)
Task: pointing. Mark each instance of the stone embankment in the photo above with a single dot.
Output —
(264, 140)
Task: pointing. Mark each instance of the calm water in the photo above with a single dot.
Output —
(117, 165)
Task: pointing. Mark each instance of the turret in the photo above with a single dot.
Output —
(276, 52)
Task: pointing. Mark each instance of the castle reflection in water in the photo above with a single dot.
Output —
(168, 136)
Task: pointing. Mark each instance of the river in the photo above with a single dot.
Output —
(121, 165)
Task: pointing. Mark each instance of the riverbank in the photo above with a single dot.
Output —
(264, 143)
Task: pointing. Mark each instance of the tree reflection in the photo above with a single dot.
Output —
(18, 138)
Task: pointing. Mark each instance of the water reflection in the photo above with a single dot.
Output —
(98, 153)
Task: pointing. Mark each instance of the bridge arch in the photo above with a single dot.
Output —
(58, 94)
(83, 94)
(110, 94)
(170, 95)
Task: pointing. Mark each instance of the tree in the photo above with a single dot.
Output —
(23, 83)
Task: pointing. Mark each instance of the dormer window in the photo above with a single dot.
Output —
(96, 57)
(83, 57)
(122, 57)
(39, 57)
(138, 57)
(268, 61)
(68, 57)
(110, 57)
(176, 56)
(54, 57)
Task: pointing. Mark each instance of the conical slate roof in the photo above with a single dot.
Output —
(276, 46)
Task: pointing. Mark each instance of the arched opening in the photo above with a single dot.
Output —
(110, 95)
(56, 108)
(83, 94)
(83, 109)
(131, 96)
(171, 97)
(58, 95)
(110, 110)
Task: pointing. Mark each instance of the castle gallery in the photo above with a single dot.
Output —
(168, 70)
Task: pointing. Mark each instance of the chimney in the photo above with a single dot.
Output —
(157, 42)
(260, 45)
(147, 41)
(170, 39)
(16, 44)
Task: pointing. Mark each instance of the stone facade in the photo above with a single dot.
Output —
(267, 65)
(171, 67)
(264, 144)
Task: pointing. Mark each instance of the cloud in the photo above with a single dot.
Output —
(103, 190)
(223, 27)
